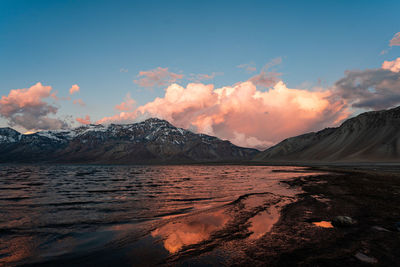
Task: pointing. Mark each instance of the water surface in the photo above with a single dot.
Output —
(53, 211)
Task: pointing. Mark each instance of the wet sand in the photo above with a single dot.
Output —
(266, 229)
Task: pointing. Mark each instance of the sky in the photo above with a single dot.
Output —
(252, 72)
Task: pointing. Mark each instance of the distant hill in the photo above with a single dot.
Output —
(150, 141)
(369, 137)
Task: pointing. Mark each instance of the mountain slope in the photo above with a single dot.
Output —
(371, 136)
(151, 141)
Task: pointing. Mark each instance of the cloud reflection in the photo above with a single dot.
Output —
(176, 235)
(323, 224)
(263, 222)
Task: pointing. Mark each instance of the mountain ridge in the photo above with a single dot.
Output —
(151, 141)
(372, 136)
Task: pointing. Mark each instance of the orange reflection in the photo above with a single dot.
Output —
(16, 249)
(179, 234)
(263, 222)
(324, 224)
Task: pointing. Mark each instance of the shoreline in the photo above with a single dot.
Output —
(260, 229)
(307, 164)
(369, 197)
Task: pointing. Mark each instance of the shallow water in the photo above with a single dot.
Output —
(53, 211)
(323, 224)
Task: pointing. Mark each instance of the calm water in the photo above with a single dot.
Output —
(51, 211)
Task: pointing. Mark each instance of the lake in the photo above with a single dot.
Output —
(132, 215)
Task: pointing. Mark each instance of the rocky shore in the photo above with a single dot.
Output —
(348, 217)
(370, 197)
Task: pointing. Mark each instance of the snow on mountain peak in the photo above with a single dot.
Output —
(152, 129)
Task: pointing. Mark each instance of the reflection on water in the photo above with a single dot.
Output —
(263, 222)
(50, 210)
(323, 224)
(16, 249)
(199, 228)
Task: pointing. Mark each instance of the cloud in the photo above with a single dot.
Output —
(203, 77)
(27, 108)
(392, 65)
(123, 70)
(242, 113)
(128, 104)
(79, 102)
(74, 89)
(85, 120)
(267, 78)
(157, 77)
(372, 88)
(395, 40)
(249, 67)
(57, 98)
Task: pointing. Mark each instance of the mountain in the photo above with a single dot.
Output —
(370, 137)
(150, 141)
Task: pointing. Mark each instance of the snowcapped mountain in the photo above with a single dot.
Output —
(150, 141)
(8, 135)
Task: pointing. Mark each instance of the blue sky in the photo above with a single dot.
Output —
(60, 43)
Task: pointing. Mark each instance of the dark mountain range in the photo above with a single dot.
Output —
(370, 137)
(151, 141)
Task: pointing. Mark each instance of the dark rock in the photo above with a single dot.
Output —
(364, 258)
(381, 229)
(398, 226)
(343, 221)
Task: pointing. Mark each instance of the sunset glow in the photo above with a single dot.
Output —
(255, 94)
(199, 133)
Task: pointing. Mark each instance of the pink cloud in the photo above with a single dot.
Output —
(28, 97)
(267, 78)
(126, 105)
(57, 98)
(157, 77)
(249, 67)
(392, 65)
(74, 89)
(395, 40)
(79, 102)
(242, 113)
(85, 120)
(203, 77)
(27, 108)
